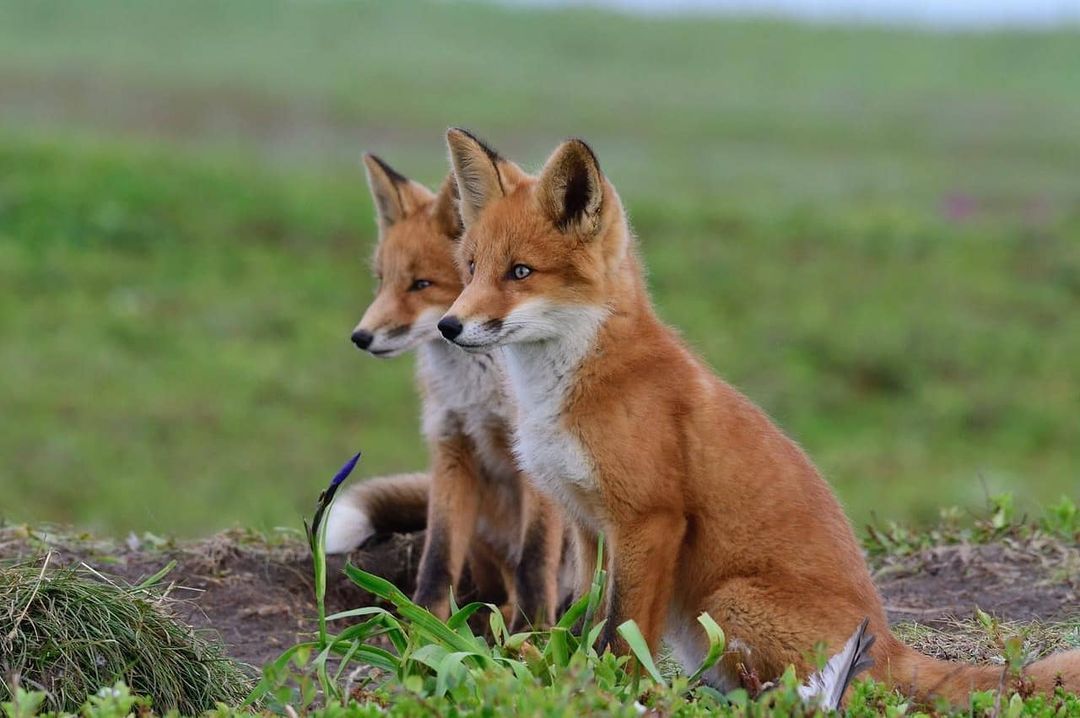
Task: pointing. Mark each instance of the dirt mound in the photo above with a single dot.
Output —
(256, 592)
(1037, 578)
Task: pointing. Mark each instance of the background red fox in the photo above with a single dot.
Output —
(480, 508)
(705, 504)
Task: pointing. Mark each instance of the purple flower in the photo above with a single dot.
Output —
(327, 496)
(344, 471)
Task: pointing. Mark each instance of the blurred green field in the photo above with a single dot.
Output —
(875, 234)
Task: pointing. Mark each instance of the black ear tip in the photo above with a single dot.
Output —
(458, 133)
(455, 131)
(583, 147)
(394, 176)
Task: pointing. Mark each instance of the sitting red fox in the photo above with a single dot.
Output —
(480, 507)
(705, 504)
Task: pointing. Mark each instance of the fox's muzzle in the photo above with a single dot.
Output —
(450, 326)
(362, 339)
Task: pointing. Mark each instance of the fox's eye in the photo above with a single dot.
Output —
(472, 267)
(419, 284)
(519, 271)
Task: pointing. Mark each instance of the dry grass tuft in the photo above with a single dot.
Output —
(968, 640)
(69, 631)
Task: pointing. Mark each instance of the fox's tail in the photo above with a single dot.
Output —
(387, 504)
(926, 677)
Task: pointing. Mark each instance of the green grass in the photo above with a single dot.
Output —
(177, 356)
(65, 631)
(178, 285)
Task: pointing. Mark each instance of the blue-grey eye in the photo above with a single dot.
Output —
(520, 271)
(419, 284)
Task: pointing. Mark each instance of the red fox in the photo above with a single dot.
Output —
(480, 507)
(704, 503)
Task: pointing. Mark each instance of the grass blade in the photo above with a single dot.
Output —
(451, 671)
(632, 634)
(263, 686)
(156, 578)
(419, 617)
(717, 643)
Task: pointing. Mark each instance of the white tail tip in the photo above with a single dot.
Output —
(827, 687)
(346, 527)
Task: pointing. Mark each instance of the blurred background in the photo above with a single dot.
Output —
(866, 216)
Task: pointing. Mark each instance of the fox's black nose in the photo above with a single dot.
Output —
(450, 327)
(362, 339)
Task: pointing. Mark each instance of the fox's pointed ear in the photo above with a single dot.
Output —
(476, 167)
(445, 207)
(396, 196)
(570, 188)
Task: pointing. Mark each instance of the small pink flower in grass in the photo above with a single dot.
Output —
(960, 207)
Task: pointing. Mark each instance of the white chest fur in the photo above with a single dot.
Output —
(466, 392)
(541, 376)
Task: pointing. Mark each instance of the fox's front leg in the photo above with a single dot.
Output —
(536, 576)
(452, 511)
(644, 554)
(585, 544)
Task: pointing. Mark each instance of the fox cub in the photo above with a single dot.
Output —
(704, 503)
(480, 507)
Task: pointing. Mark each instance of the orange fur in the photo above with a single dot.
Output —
(705, 504)
(481, 509)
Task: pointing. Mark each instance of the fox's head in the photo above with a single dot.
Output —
(543, 256)
(414, 261)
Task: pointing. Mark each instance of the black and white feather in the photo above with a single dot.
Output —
(826, 688)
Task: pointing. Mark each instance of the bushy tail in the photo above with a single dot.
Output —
(927, 678)
(383, 505)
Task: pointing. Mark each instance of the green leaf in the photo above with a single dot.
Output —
(557, 652)
(353, 613)
(376, 585)
(377, 657)
(274, 669)
(521, 671)
(422, 619)
(346, 658)
(460, 618)
(575, 612)
(632, 635)
(451, 671)
(430, 655)
(515, 641)
(497, 623)
(594, 634)
(716, 645)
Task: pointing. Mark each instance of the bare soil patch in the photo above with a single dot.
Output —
(1030, 579)
(256, 593)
